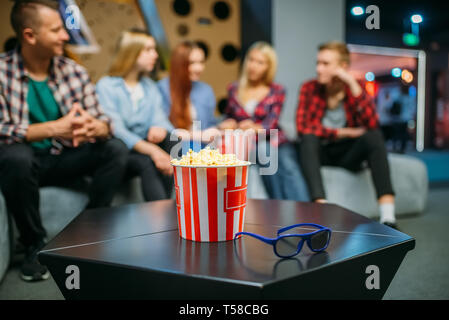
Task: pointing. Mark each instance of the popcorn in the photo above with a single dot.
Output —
(208, 157)
(211, 191)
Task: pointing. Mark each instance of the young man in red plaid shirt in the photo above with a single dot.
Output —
(52, 129)
(338, 125)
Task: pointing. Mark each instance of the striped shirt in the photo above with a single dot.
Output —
(69, 83)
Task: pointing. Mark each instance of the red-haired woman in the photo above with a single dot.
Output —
(185, 98)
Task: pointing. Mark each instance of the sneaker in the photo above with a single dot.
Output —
(31, 269)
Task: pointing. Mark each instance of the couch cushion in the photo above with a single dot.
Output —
(410, 182)
(59, 206)
(130, 192)
(4, 238)
(355, 191)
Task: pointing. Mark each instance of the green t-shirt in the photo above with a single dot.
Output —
(42, 107)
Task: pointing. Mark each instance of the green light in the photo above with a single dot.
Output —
(410, 39)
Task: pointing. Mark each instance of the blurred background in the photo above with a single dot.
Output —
(404, 62)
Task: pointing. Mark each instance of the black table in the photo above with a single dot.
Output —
(135, 252)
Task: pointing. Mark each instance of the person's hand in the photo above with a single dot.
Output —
(183, 134)
(161, 160)
(249, 124)
(343, 75)
(229, 124)
(62, 127)
(156, 135)
(209, 135)
(351, 133)
(86, 128)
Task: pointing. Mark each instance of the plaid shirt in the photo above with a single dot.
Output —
(68, 82)
(360, 111)
(266, 113)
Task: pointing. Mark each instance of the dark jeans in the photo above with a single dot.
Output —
(155, 185)
(349, 154)
(24, 169)
(287, 183)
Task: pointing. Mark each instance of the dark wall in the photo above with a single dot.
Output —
(256, 22)
(395, 21)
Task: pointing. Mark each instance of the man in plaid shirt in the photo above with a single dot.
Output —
(52, 129)
(338, 125)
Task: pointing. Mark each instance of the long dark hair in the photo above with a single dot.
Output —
(181, 85)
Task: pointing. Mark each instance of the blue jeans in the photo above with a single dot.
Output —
(196, 146)
(287, 183)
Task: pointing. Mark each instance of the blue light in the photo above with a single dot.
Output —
(357, 11)
(369, 76)
(416, 18)
(396, 72)
(412, 91)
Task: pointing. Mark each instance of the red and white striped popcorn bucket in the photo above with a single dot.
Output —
(210, 201)
(238, 142)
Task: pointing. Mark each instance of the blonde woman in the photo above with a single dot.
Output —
(133, 102)
(255, 102)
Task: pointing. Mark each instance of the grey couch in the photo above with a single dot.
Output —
(356, 191)
(4, 238)
(410, 183)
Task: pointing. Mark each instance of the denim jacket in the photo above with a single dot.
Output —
(130, 125)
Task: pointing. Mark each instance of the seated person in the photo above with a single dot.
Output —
(134, 103)
(338, 126)
(187, 99)
(52, 129)
(255, 102)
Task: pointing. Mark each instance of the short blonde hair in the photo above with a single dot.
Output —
(128, 50)
(270, 54)
(339, 47)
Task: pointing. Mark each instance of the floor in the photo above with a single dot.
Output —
(424, 273)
